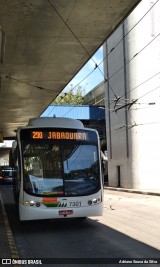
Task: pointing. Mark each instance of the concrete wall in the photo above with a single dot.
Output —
(96, 96)
(132, 67)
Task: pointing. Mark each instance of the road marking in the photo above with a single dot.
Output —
(11, 242)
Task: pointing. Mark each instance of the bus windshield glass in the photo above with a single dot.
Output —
(60, 167)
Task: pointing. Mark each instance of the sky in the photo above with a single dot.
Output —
(93, 79)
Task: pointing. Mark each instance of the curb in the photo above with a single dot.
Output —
(132, 191)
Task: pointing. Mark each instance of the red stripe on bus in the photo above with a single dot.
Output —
(48, 200)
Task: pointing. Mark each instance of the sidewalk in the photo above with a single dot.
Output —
(152, 192)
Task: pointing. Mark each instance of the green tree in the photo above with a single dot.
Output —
(75, 96)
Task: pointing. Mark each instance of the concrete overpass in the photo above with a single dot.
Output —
(43, 44)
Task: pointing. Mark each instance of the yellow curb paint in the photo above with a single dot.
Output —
(11, 242)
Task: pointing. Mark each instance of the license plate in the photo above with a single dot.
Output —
(65, 212)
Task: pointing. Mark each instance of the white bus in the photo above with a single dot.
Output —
(58, 170)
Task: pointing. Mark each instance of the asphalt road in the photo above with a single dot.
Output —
(129, 229)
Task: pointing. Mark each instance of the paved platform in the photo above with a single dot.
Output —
(6, 240)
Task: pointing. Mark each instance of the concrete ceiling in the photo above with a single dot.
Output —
(41, 51)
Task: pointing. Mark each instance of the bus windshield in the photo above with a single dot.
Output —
(60, 167)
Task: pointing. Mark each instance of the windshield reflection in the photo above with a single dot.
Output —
(66, 168)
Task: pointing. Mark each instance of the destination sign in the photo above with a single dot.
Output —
(64, 135)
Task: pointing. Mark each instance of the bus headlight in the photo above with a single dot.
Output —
(89, 202)
(38, 204)
(94, 201)
(31, 203)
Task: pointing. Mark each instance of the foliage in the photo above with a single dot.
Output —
(73, 97)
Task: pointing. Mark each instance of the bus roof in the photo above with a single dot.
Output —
(55, 122)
